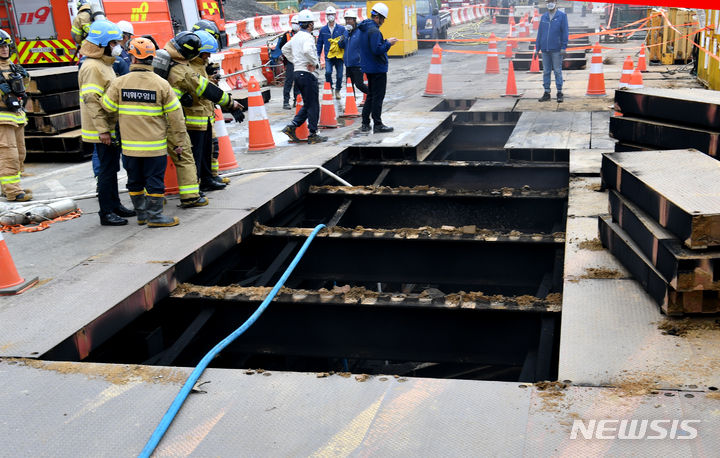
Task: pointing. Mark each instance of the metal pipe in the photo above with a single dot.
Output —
(36, 213)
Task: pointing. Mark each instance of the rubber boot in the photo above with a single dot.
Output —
(140, 204)
(155, 212)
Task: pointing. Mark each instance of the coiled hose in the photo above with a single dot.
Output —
(174, 408)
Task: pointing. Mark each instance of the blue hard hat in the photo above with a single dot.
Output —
(208, 43)
(103, 32)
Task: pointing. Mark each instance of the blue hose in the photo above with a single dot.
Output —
(162, 428)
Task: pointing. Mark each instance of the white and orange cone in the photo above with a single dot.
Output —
(596, 82)
(226, 155)
(636, 80)
(433, 88)
(351, 110)
(642, 61)
(328, 118)
(11, 282)
(301, 132)
(259, 133)
(493, 62)
(627, 72)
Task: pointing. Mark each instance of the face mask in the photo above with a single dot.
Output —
(295, 27)
(551, 6)
(116, 51)
(331, 18)
(348, 27)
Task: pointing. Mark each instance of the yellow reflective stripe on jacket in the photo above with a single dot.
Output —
(189, 189)
(10, 179)
(140, 110)
(225, 99)
(172, 106)
(19, 117)
(144, 145)
(202, 86)
(75, 30)
(99, 90)
(109, 103)
(196, 120)
(178, 92)
(93, 134)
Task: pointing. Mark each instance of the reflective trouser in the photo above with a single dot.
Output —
(215, 164)
(21, 148)
(12, 155)
(187, 176)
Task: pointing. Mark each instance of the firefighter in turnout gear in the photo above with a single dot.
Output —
(12, 122)
(98, 130)
(149, 114)
(193, 90)
(82, 21)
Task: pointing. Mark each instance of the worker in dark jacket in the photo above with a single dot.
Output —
(289, 67)
(331, 32)
(552, 41)
(351, 45)
(374, 62)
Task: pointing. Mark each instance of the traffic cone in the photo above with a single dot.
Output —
(536, 19)
(226, 156)
(11, 282)
(259, 133)
(351, 110)
(328, 119)
(511, 88)
(171, 181)
(365, 82)
(596, 83)
(642, 63)
(301, 132)
(535, 64)
(627, 72)
(433, 88)
(508, 48)
(493, 63)
(494, 21)
(636, 80)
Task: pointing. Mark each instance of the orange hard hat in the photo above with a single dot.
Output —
(141, 48)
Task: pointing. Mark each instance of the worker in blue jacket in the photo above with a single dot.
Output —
(552, 41)
(351, 45)
(330, 31)
(374, 62)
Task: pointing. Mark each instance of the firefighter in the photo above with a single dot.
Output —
(148, 113)
(100, 49)
(82, 21)
(12, 122)
(193, 89)
(210, 27)
(289, 68)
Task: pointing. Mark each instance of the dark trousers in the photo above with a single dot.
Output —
(146, 173)
(307, 84)
(377, 83)
(289, 83)
(356, 76)
(109, 157)
(202, 151)
(337, 64)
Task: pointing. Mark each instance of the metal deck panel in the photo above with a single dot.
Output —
(585, 197)
(687, 106)
(560, 130)
(579, 260)
(497, 104)
(585, 162)
(600, 131)
(78, 411)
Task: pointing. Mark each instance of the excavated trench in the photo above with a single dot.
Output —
(449, 267)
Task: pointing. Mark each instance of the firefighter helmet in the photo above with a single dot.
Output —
(6, 39)
(208, 43)
(103, 32)
(208, 26)
(141, 48)
(80, 3)
(187, 44)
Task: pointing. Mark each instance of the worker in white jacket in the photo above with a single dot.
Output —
(302, 52)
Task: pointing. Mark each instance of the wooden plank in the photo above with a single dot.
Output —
(64, 143)
(54, 123)
(53, 80)
(52, 103)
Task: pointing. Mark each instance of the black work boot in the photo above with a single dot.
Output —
(560, 97)
(155, 212)
(193, 202)
(111, 219)
(545, 97)
(365, 128)
(140, 204)
(289, 130)
(315, 138)
(123, 211)
(286, 106)
(382, 129)
(207, 184)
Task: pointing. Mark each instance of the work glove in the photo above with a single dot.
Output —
(5, 88)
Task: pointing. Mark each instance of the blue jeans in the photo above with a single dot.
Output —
(329, 65)
(552, 61)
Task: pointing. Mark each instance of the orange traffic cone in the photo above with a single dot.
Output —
(508, 48)
(535, 64)
(301, 132)
(642, 63)
(494, 20)
(10, 281)
(171, 181)
(433, 88)
(536, 20)
(596, 83)
(511, 88)
(259, 133)
(627, 72)
(226, 157)
(365, 82)
(493, 64)
(636, 80)
(351, 110)
(328, 119)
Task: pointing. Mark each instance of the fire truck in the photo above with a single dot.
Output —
(41, 28)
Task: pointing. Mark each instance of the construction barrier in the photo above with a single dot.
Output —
(708, 62)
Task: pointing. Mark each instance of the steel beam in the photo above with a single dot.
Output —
(687, 107)
(663, 135)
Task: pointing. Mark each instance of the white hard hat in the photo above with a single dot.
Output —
(294, 19)
(352, 13)
(305, 16)
(126, 27)
(330, 10)
(381, 9)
